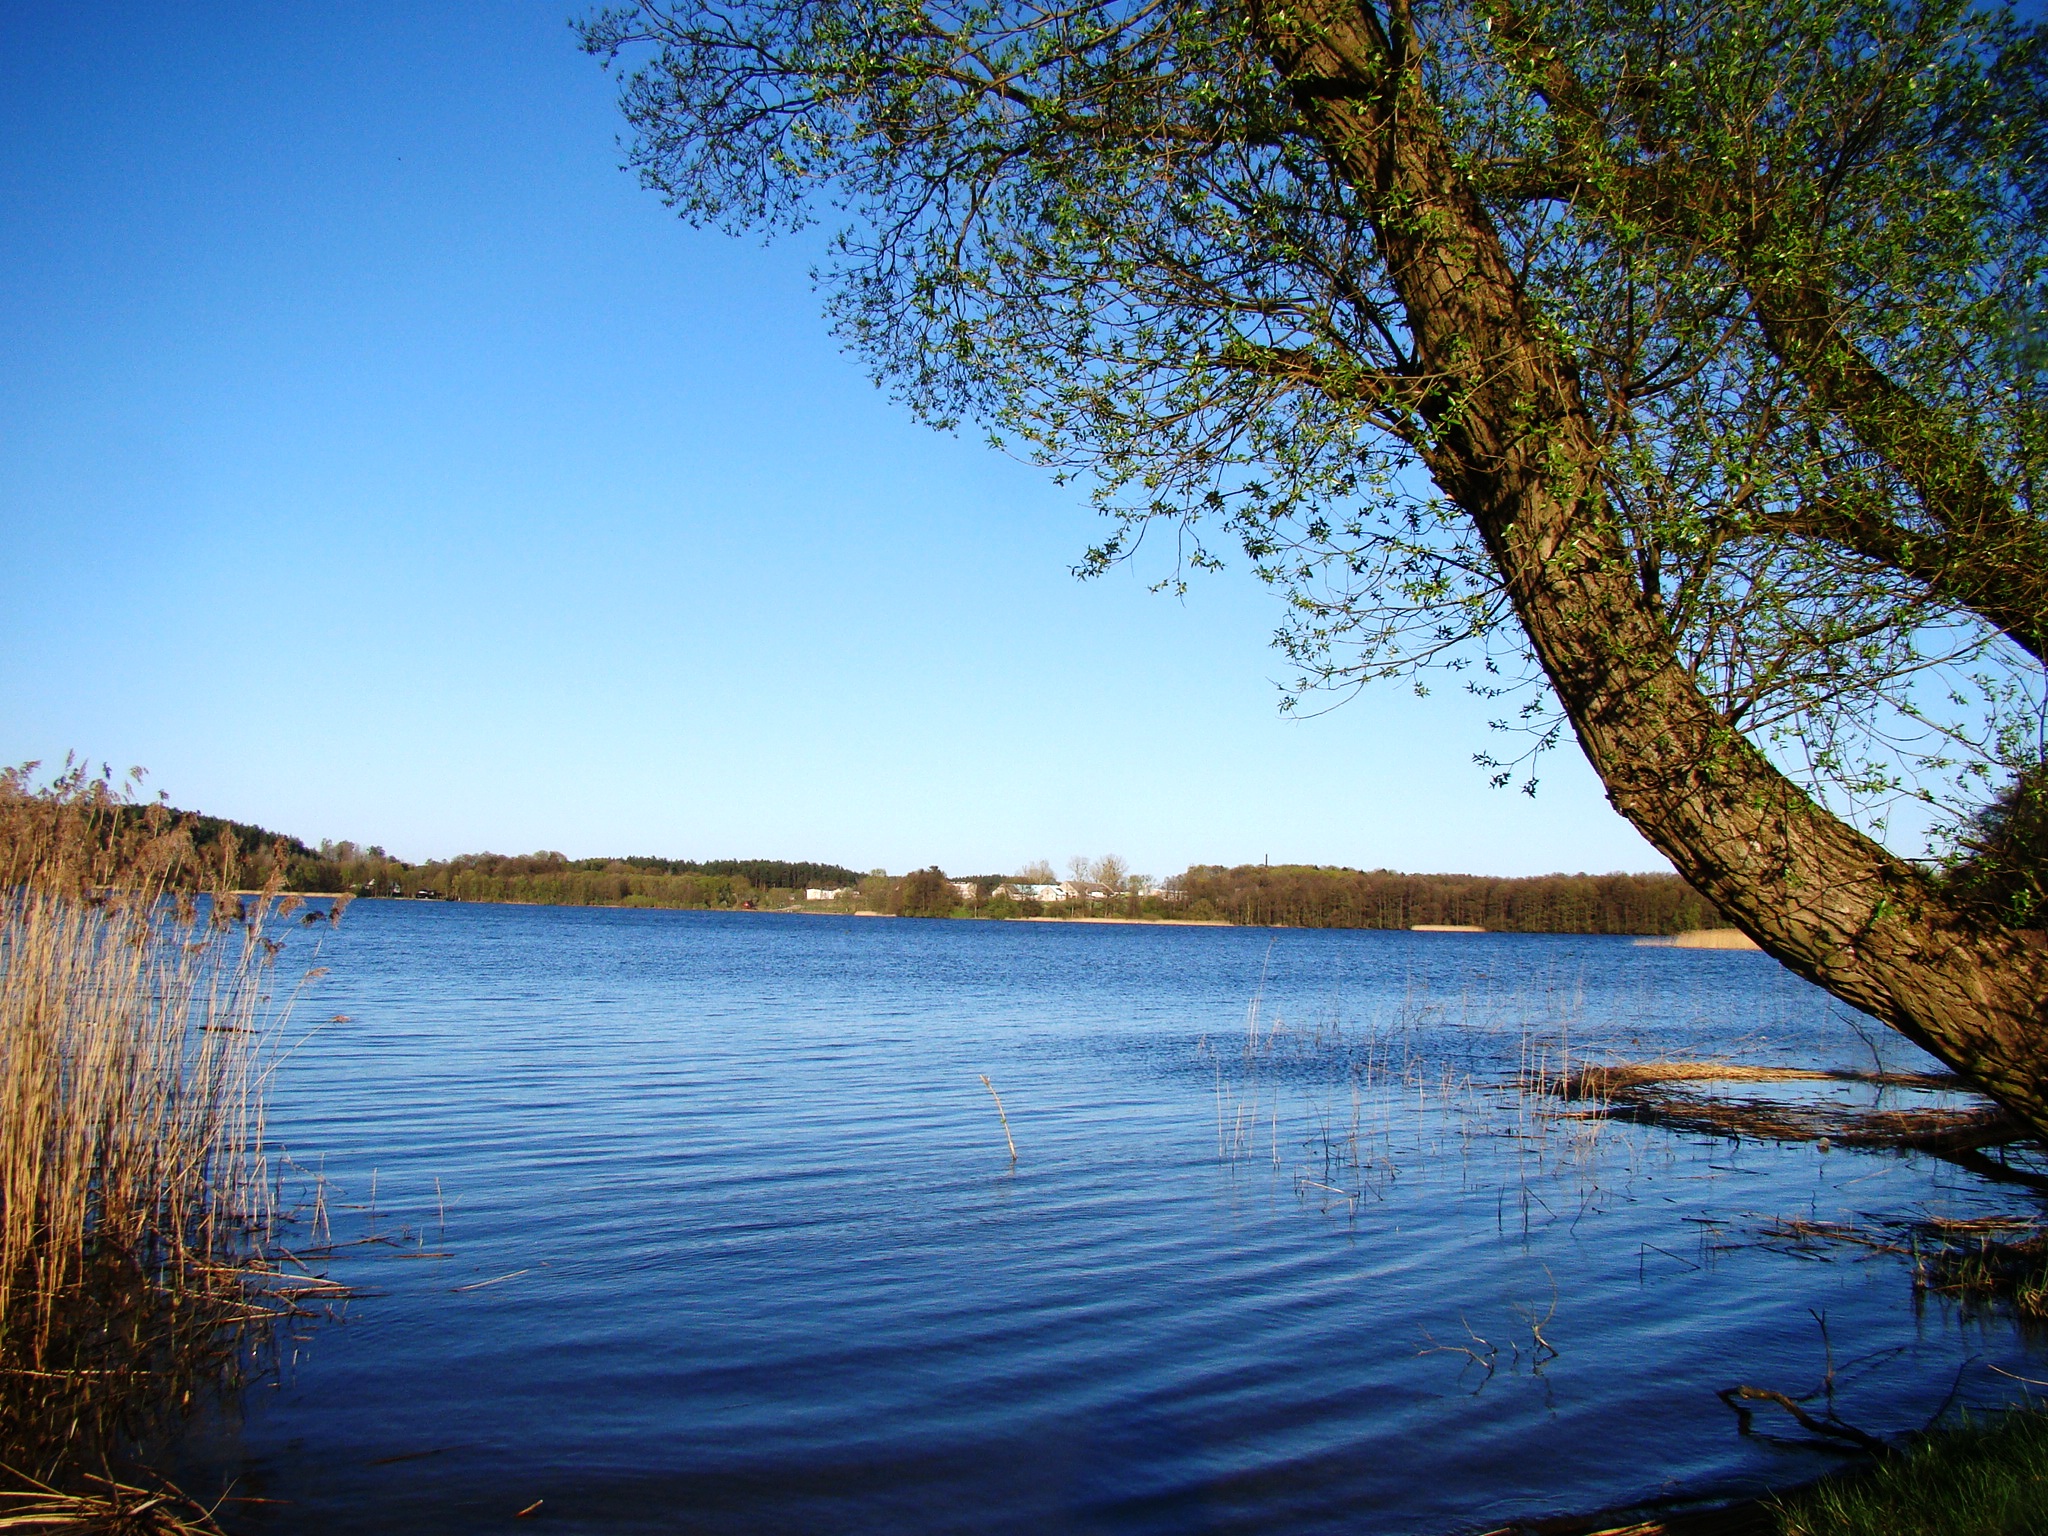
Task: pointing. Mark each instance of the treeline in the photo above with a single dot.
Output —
(250, 856)
(1310, 896)
(502, 866)
(483, 868)
(556, 880)
(240, 852)
(1284, 896)
(618, 885)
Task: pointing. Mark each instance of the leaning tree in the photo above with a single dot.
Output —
(1677, 364)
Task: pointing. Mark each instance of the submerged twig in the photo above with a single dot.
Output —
(1830, 1427)
(991, 1087)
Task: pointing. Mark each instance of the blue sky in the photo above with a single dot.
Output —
(377, 460)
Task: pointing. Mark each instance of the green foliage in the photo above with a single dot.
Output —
(1791, 252)
(556, 880)
(2003, 863)
(1982, 1267)
(926, 893)
(1978, 1479)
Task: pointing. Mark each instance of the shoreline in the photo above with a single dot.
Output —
(1679, 940)
(1157, 922)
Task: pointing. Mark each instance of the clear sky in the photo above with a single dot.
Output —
(377, 460)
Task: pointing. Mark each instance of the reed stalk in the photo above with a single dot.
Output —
(136, 1210)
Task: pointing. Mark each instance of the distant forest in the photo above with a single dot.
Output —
(553, 880)
(1284, 896)
(254, 854)
(1306, 896)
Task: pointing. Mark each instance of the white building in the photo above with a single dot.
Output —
(820, 893)
(1035, 892)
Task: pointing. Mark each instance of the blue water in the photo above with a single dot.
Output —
(703, 1222)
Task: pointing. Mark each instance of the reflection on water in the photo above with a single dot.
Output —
(721, 1231)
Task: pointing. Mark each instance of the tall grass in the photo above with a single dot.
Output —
(136, 1210)
(1982, 1478)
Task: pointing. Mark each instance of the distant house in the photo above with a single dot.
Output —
(1086, 890)
(965, 888)
(824, 893)
(1019, 891)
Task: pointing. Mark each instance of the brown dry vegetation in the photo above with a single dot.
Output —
(1666, 1093)
(1986, 1259)
(136, 1219)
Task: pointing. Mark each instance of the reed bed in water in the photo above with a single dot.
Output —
(1667, 1093)
(136, 1209)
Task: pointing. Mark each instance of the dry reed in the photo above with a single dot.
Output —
(104, 1504)
(1713, 938)
(1979, 1260)
(1655, 1093)
(136, 1211)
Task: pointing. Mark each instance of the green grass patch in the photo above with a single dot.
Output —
(1980, 1478)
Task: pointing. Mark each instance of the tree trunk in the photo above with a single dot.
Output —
(1515, 447)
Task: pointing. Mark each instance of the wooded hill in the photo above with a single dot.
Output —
(256, 853)
(553, 880)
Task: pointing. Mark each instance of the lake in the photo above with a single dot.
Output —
(707, 1222)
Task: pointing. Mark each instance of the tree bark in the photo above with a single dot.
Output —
(1516, 448)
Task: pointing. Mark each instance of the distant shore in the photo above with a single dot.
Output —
(1164, 922)
(1262, 895)
(1156, 922)
(1699, 938)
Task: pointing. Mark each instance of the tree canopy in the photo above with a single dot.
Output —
(1683, 361)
